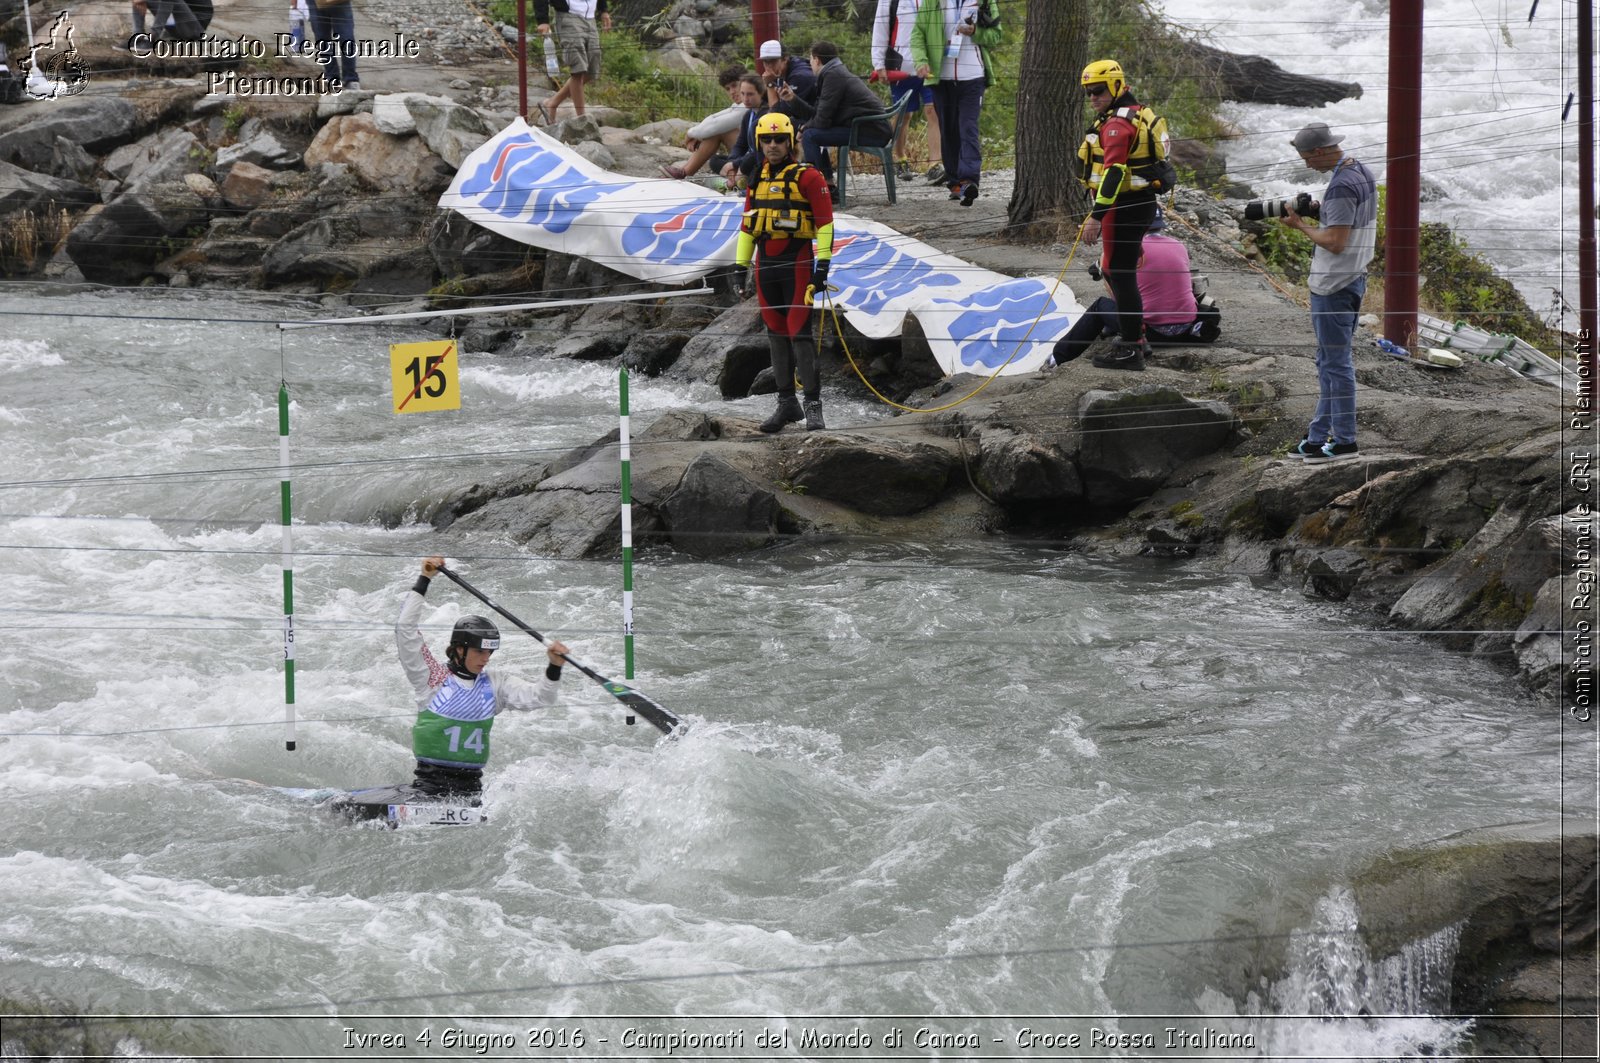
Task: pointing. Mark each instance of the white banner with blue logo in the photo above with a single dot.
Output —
(534, 189)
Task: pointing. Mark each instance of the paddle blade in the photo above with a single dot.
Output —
(655, 714)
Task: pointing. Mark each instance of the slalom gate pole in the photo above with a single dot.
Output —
(627, 528)
(288, 568)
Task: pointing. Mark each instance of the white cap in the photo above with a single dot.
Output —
(771, 50)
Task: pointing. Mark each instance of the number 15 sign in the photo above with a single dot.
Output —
(425, 376)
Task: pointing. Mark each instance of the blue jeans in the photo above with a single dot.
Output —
(1333, 319)
(814, 142)
(335, 28)
(957, 104)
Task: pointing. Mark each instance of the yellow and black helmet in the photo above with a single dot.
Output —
(774, 124)
(1107, 72)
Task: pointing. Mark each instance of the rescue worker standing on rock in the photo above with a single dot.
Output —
(786, 209)
(1124, 162)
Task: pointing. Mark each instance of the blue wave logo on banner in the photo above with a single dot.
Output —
(524, 182)
(530, 187)
(870, 272)
(687, 234)
(994, 321)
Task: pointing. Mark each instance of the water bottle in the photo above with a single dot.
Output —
(551, 66)
(1392, 349)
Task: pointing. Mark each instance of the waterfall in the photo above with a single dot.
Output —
(1335, 1001)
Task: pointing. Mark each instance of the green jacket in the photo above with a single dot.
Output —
(929, 35)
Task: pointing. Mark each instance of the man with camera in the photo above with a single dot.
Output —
(1124, 162)
(1345, 241)
(790, 81)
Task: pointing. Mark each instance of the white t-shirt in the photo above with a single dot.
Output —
(901, 43)
(967, 63)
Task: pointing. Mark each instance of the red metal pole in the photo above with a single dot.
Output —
(764, 20)
(1400, 249)
(522, 58)
(1586, 242)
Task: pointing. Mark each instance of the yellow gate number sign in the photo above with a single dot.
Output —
(425, 375)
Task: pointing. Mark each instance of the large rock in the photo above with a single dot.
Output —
(69, 160)
(1468, 590)
(35, 213)
(122, 243)
(729, 353)
(718, 509)
(322, 250)
(1131, 441)
(451, 130)
(1016, 468)
(877, 475)
(651, 353)
(247, 185)
(575, 510)
(226, 256)
(376, 240)
(391, 115)
(22, 189)
(263, 145)
(164, 156)
(1540, 641)
(459, 247)
(676, 60)
(97, 124)
(396, 165)
(1522, 900)
(1290, 489)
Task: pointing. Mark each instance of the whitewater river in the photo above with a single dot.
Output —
(965, 787)
(1499, 146)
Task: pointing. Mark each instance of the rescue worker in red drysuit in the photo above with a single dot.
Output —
(787, 208)
(1122, 164)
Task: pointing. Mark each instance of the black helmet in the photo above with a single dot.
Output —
(475, 632)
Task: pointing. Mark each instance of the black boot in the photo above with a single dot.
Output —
(814, 415)
(1124, 355)
(788, 412)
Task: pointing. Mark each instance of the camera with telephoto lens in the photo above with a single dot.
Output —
(1303, 205)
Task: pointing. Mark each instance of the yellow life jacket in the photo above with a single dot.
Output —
(778, 209)
(1147, 162)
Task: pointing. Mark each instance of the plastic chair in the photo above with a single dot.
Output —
(897, 117)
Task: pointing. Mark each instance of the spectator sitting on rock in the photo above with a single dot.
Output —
(713, 139)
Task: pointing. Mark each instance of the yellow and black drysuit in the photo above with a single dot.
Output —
(1123, 163)
(787, 209)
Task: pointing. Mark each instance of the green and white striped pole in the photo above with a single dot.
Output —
(288, 568)
(627, 533)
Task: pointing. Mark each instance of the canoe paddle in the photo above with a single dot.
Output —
(654, 713)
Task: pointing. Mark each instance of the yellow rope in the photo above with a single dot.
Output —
(1049, 302)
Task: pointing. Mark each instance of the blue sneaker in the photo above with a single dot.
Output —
(1333, 452)
(1306, 449)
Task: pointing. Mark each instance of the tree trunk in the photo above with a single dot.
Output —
(1047, 199)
